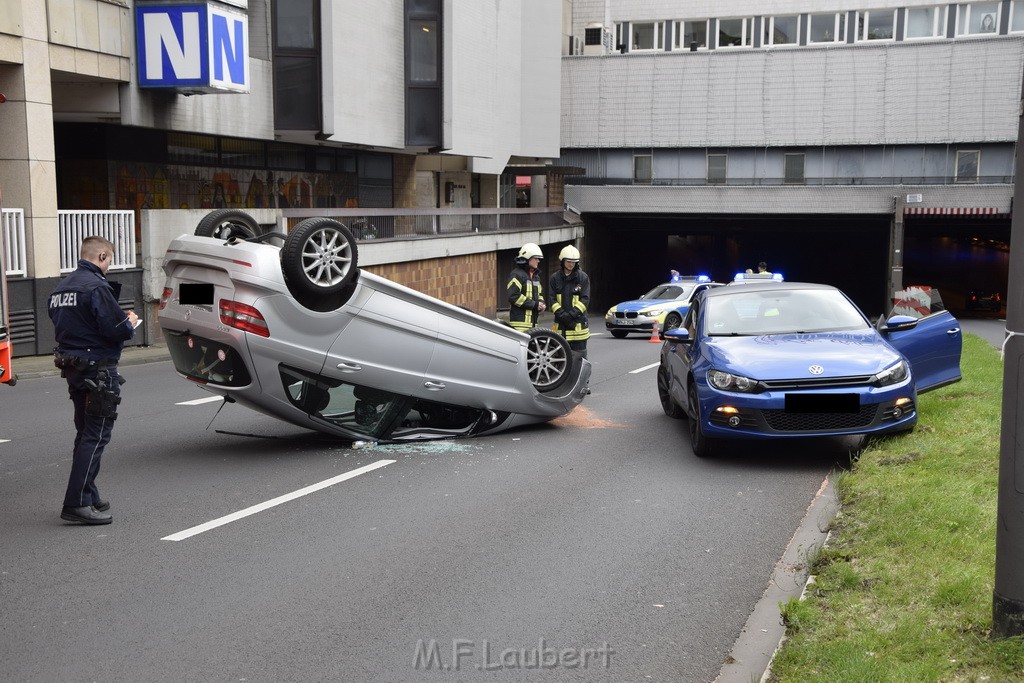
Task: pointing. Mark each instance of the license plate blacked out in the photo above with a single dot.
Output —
(822, 403)
(195, 294)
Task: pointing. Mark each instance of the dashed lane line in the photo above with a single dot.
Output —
(235, 516)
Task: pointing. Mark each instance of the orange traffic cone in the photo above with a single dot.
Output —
(655, 335)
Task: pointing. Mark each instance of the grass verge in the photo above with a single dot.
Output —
(903, 589)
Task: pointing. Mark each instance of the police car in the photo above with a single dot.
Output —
(665, 305)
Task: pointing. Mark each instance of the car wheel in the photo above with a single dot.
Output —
(548, 359)
(668, 404)
(619, 334)
(672, 321)
(319, 258)
(702, 446)
(227, 223)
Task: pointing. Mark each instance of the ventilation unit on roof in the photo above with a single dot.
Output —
(597, 40)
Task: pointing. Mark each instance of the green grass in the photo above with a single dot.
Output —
(903, 588)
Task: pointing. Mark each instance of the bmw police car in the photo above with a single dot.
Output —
(667, 300)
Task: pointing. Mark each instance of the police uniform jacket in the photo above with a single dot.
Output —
(569, 296)
(524, 291)
(87, 319)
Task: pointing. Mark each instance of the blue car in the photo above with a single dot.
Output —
(769, 360)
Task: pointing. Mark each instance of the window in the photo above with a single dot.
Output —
(1017, 15)
(691, 33)
(826, 28)
(876, 25)
(925, 22)
(247, 153)
(783, 30)
(794, 169)
(188, 148)
(977, 18)
(422, 51)
(967, 166)
(716, 169)
(642, 168)
(646, 36)
(736, 32)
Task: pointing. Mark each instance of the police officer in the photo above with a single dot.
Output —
(525, 293)
(91, 330)
(569, 294)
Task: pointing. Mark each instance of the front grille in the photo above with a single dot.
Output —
(781, 421)
(817, 382)
(628, 314)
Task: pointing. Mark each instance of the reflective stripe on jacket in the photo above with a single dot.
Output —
(571, 292)
(524, 291)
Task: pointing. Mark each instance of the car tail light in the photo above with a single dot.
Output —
(165, 297)
(243, 317)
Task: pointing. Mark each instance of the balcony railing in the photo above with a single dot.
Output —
(805, 182)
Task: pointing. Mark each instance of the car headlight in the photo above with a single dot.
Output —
(726, 381)
(650, 313)
(611, 312)
(894, 374)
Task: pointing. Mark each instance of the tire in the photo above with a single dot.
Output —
(668, 404)
(224, 224)
(319, 259)
(548, 359)
(672, 321)
(619, 334)
(702, 445)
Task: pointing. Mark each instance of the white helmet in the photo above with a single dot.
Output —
(528, 251)
(569, 253)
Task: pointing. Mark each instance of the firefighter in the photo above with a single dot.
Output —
(569, 294)
(525, 292)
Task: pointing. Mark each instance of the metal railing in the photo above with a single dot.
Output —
(806, 182)
(368, 224)
(12, 222)
(116, 226)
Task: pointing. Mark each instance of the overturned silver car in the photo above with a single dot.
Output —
(289, 326)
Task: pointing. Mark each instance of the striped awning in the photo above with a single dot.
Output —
(954, 210)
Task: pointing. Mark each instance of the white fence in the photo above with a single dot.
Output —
(12, 222)
(73, 227)
(116, 226)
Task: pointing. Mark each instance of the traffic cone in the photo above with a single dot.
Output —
(655, 335)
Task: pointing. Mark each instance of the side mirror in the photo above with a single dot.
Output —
(898, 323)
(679, 335)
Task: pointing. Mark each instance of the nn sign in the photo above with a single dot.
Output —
(194, 48)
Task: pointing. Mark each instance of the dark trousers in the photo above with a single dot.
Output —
(92, 434)
(579, 347)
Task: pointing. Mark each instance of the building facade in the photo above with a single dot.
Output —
(144, 104)
(808, 133)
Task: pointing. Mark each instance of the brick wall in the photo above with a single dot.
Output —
(466, 281)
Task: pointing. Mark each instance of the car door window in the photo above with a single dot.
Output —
(354, 407)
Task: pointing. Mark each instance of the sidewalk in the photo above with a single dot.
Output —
(34, 367)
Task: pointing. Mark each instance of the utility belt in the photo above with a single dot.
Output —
(102, 400)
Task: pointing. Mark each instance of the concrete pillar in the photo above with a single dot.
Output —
(28, 165)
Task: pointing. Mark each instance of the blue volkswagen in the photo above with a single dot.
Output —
(785, 359)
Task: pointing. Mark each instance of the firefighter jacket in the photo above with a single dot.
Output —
(524, 292)
(88, 322)
(569, 298)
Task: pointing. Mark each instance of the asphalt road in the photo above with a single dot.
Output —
(595, 548)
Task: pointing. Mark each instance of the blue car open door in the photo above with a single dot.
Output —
(932, 346)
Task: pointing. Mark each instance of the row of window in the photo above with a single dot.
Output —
(967, 165)
(914, 23)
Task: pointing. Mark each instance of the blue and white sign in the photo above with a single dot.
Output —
(198, 48)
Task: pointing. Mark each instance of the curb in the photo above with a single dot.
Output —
(35, 367)
(751, 656)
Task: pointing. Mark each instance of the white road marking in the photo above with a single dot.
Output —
(200, 401)
(4, 440)
(646, 367)
(235, 516)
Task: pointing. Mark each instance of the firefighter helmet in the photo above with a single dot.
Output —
(569, 253)
(528, 251)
